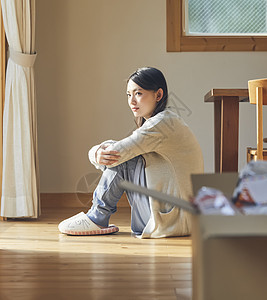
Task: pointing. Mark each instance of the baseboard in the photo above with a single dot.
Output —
(73, 200)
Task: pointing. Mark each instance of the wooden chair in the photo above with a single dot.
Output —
(258, 95)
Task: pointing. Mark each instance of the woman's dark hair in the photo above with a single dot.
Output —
(151, 79)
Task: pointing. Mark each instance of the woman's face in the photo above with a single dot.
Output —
(142, 102)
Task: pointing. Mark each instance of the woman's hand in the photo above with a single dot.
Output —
(106, 157)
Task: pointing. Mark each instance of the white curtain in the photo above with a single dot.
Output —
(20, 185)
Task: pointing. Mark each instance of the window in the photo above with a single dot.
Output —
(216, 25)
(217, 17)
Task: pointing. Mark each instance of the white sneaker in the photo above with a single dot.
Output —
(81, 224)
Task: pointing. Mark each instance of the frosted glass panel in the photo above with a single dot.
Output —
(226, 17)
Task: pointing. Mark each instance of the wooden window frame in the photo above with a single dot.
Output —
(178, 42)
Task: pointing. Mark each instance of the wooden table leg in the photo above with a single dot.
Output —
(226, 123)
(217, 135)
(229, 134)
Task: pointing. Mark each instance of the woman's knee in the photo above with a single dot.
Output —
(131, 163)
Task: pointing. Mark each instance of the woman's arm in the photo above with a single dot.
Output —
(147, 138)
(100, 157)
(142, 140)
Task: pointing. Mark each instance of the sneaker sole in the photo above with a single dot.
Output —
(104, 231)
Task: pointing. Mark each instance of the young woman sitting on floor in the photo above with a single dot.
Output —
(160, 154)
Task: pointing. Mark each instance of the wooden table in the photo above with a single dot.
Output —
(226, 121)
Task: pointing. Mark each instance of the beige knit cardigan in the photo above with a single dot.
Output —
(172, 154)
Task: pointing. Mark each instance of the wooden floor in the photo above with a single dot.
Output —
(38, 262)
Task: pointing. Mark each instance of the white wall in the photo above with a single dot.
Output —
(86, 51)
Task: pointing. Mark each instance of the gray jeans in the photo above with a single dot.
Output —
(108, 193)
